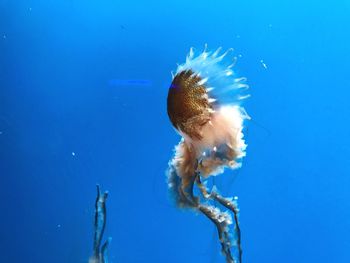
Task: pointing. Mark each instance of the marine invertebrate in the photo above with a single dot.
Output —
(100, 254)
(204, 106)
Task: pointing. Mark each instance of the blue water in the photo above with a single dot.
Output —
(83, 88)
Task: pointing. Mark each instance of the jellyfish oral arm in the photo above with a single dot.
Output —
(229, 204)
(222, 220)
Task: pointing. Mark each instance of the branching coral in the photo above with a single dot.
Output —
(100, 254)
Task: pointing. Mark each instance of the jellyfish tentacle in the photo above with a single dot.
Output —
(218, 218)
(208, 211)
(232, 206)
(186, 192)
(183, 190)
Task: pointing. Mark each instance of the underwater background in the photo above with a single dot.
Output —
(83, 87)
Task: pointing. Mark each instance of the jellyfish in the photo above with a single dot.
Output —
(204, 105)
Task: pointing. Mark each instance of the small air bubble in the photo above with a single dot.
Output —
(263, 64)
(73, 153)
(229, 72)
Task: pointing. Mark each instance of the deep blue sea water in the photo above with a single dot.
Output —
(83, 88)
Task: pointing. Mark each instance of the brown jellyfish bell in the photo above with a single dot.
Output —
(204, 106)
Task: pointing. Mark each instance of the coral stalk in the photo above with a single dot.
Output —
(100, 254)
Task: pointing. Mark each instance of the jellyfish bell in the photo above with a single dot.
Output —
(204, 106)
